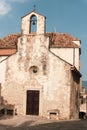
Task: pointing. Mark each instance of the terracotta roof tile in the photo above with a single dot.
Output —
(62, 40)
(9, 41)
(56, 40)
(7, 52)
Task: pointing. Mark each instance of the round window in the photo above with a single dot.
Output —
(34, 69)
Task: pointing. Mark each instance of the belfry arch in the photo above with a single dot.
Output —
(33, 24)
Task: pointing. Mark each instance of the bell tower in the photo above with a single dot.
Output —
(33, 23)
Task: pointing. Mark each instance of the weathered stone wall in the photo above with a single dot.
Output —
(19, 75)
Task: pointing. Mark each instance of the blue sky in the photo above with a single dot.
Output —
(65, 16)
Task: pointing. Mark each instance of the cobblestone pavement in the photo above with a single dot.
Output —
(38, 123)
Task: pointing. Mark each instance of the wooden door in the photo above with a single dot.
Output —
(32, 107)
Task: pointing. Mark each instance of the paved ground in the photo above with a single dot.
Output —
(37, 123)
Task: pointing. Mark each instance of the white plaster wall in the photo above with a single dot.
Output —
(71, 55)
(83, 107)
(2, 68)
(77, 59)
(57, 89)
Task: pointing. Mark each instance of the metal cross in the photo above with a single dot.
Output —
(34, 7)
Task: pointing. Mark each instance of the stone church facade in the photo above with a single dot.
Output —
(41, 71)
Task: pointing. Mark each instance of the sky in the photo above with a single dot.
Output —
(64, 16)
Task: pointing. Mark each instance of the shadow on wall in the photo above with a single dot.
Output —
(6, 108)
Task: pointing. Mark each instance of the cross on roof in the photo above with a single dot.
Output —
(34, 6)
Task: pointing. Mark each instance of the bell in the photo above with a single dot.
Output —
(33, 22)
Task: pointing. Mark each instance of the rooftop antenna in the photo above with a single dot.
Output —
(55, 29)
(34, 6)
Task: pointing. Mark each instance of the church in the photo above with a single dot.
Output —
(39, 70)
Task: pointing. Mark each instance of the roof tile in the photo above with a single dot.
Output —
(62, 40)
(9, 41)
(56, 40)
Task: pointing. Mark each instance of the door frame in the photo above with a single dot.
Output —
(33, 102)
